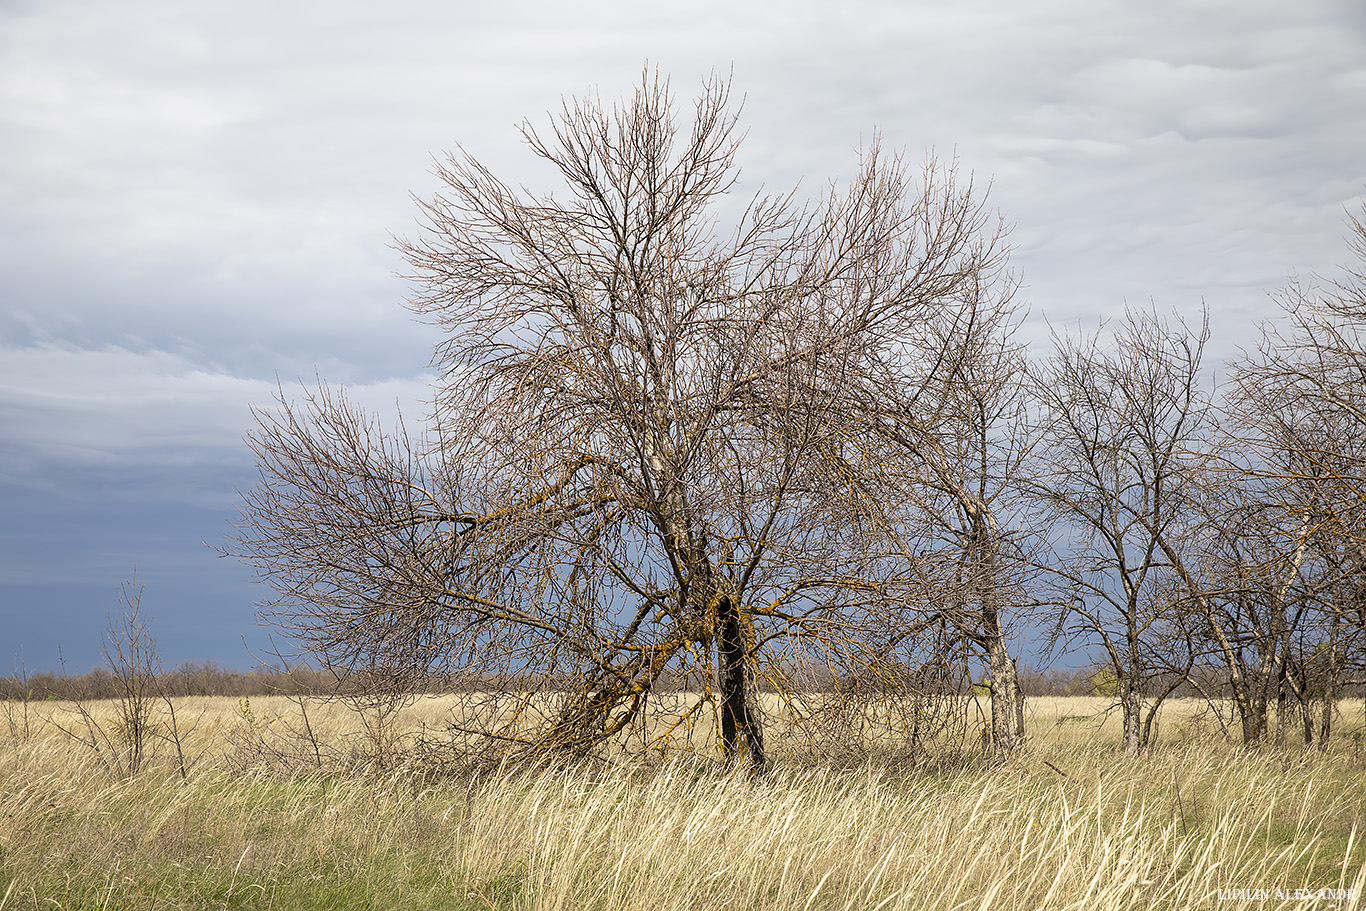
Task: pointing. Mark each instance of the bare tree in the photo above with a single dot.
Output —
(944, 456)
(1301, 403)
(1248, 601)
(625, 474)
(1127, 439)
(133, 669)
(123, 743)
(1278, 579)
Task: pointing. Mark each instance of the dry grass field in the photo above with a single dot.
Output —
(265, 818)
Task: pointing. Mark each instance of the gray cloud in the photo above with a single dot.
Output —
(145, 425)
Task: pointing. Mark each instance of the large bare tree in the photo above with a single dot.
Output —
(627, 471)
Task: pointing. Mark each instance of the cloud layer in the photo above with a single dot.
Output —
(198, 200)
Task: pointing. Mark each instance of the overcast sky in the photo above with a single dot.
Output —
(198, 198)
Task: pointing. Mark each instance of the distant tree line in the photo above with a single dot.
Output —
(206, 678)
(189, 678)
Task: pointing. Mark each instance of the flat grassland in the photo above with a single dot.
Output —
(262, 811)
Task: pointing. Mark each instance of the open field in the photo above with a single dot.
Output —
(1070, 823)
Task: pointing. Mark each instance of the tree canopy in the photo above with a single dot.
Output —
(639, 455)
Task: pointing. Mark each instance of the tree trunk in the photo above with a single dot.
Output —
(1131, 703)
(1307, 706)
(1326, 719)
(1252, 717)
(742, 737)
(1282, 710)
(1007, 702)
(1330, 688)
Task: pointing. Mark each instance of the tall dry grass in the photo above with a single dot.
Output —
(1068, 824)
